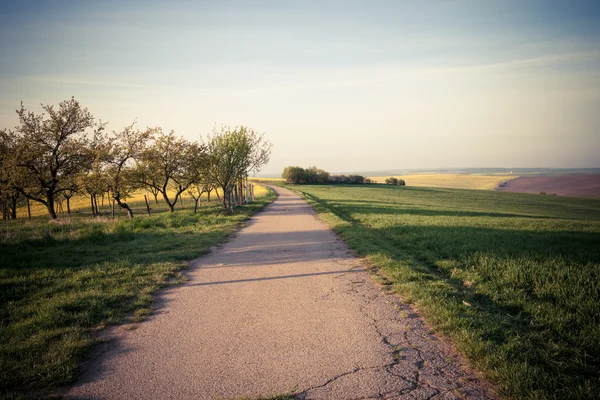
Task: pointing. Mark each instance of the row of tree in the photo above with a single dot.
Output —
(305, 175)
(315, 175)
(64, 151)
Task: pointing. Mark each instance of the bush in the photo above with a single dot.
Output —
(395, 181)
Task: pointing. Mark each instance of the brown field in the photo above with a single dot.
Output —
(584, 185)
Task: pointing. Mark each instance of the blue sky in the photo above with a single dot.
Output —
(344, 85)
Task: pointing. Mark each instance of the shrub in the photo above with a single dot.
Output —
(401, 182)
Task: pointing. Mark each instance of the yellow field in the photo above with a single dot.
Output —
(81, 204)
(266, 179)
(454, 181)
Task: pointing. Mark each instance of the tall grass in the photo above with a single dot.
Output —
(513, 279)
(61, 281)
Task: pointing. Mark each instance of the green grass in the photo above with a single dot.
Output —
(59, 282)
(513, 279)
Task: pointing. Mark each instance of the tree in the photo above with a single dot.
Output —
(233, 154)
(50, 150)
(316, 175)
(121, 149)
(171, 162)
(294, 174)
(391, 181)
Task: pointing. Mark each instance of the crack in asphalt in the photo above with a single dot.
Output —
(419, 379)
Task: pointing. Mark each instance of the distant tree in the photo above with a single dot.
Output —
(50, 150)
(391, 181)
(401, 182)
(9, 196)
(93, 182)
(316, 175)
(171, 163)
(357, 179)
(294, 174)
(197, 190)
(71, 189)
(121, 150)
(7, 190)
(233, 154)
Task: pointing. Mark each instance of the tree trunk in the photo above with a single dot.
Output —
(28, 209)
(93, 208)
(125, 206)
(196, 204)
(226, 199)
(155, 197)
(68, 205)
(13, 207)
(50, 205)
(209, 195)
(96, 203)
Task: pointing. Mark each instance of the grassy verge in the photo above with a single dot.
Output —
(513, 279)
(61, 281)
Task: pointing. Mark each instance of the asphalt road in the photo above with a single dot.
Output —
(282, 307)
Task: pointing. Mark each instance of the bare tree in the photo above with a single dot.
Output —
(50, 150)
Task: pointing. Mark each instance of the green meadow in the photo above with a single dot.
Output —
(62, 281)
(512, 279)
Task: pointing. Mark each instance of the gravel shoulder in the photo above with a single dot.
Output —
(282, 307)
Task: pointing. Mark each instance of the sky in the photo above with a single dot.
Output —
(343, 85)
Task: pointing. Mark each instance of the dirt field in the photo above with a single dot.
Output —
(587, 185)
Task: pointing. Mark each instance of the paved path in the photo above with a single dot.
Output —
(283, 307)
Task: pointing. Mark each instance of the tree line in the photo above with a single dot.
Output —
(314, 175)
(64, 151)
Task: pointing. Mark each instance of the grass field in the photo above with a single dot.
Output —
(454, 181)
(61, 281)
(512, 279)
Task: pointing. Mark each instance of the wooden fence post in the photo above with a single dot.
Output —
(147, 205)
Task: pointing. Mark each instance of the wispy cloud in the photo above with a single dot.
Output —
(544, 60)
